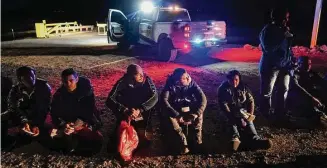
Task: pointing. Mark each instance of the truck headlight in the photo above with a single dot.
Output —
(147, 6)
(197, 40)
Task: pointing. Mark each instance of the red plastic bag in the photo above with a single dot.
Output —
(128, 140)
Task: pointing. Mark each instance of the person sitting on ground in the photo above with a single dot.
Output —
(73, 116)
(132, 98)
(237, 103)
(6, 85)
(308, 92)
(28, 105)
(184, 103)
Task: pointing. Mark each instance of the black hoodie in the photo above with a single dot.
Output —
(68, 107)
(128, 94)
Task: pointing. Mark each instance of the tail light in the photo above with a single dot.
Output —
(186, 46)
(187, 30)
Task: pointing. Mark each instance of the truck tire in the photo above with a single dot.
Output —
(165, 45)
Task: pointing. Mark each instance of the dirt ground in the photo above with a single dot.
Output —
(291, 147)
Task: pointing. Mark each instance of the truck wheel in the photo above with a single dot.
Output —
(165, 46)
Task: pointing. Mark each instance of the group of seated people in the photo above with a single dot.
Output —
(70, 122)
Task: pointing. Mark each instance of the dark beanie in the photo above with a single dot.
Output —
(132, 69)
(178, 73)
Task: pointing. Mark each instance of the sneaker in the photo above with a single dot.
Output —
(236, 143)
(323, 117)
(185, 150)
(323, 120)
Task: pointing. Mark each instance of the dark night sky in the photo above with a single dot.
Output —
(243, 17)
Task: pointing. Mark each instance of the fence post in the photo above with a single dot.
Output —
(13, 34)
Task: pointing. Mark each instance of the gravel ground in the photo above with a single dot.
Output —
(291, 147)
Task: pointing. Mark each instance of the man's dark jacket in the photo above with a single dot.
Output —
(174, 97)
(6, 85)
(276, 52)
(30, 108)
(68, 107)
(127, 94)
(232, 99)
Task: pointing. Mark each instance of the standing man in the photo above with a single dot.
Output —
(276, 61)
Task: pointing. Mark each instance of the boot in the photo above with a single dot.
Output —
(236, 143)
(185, 150)
(323, 119)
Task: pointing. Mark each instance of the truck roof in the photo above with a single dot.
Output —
(170, 9)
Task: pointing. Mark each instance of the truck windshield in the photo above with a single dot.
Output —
(173, 16)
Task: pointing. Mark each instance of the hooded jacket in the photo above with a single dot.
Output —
(174, 97)
(127, 94)
(6, 85)
(30, 108)
(276, 52)
(308, 82)
(68, 107)
(232, 99)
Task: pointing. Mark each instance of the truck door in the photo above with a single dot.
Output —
(146, 25)
(116, 25)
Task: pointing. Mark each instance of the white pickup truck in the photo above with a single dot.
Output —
(166, 28)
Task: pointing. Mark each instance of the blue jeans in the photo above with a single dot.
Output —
(268, 79)
(249, 129)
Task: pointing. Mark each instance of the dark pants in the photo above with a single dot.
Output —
(84, 141)
(249, 129)
(196, 125)
(302, 105)
(268, 79)
(13, 137)
(236, 123)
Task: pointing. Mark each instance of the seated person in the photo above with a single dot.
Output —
(307, 96)
(132, 98)
(237, 103)
(6, 85)
(73, 115)
(184, 103)
(28, 105)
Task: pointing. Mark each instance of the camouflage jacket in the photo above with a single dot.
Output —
(233, 99)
